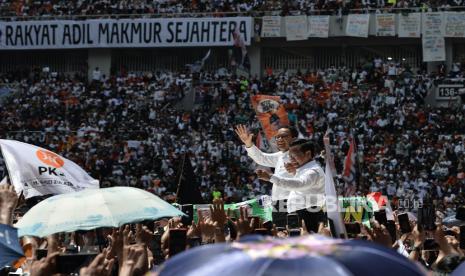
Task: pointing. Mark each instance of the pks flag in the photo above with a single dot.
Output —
(271, 114)
(36, 171)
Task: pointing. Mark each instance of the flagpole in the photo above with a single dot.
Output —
(180, 176)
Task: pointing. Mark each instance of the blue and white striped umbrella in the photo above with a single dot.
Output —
(93, 208)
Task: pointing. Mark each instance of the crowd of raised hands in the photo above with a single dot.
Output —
(132, 249)
(135, 249)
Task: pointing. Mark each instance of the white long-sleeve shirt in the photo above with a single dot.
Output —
(273, 160)
(306, 187)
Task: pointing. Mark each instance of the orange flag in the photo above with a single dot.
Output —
(271, 113)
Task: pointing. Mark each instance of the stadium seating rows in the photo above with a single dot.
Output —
(115, 7)
(113, 127)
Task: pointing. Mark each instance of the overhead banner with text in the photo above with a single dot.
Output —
(271, 26)
(357, 25)
(386, 24)
(410, 25)
(455, 24)
(162, 32)
(296, 28)
(433, 24)
(318, 26)
(434, 48)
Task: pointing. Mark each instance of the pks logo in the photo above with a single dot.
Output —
(49, 158)
(53, 162)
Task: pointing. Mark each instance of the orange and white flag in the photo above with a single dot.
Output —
(271, 114)
(35, 171)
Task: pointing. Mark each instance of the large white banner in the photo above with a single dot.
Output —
(36, 171)
(455, 24)
(103, 33)
(271, 26)
(433, 43)
(386, 24)
(433, 24)
(410, 25)
(357, 25)
(434, 48)
(318, 26)
(296, 27)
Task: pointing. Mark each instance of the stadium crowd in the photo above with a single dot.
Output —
(126, 129)
(19, 8)
(130, 129)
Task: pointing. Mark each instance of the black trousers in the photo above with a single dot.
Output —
(279, 216)
(312, 218)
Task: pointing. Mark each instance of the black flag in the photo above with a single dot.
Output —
(188, 191)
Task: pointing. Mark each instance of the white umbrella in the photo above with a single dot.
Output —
(93, 208)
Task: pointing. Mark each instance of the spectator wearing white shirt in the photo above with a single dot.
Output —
(96, 74)
(392, 69)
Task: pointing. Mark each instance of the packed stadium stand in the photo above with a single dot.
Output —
(113, 121)
(85, 8)
(113, 105)
(114, 126)
(149, 94)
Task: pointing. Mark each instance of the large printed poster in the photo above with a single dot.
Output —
(433, 24)
(271, 26)
(357, 25)
(163, 32)
(455, 24)
(296, 28)
(433, 48)
(318, 26)
(386, 24)
(410, 25)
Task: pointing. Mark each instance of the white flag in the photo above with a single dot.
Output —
(206, 57)
(333, 212)
(36, 171)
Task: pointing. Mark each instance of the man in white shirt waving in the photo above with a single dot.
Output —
(306, 187)
(278, 160)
